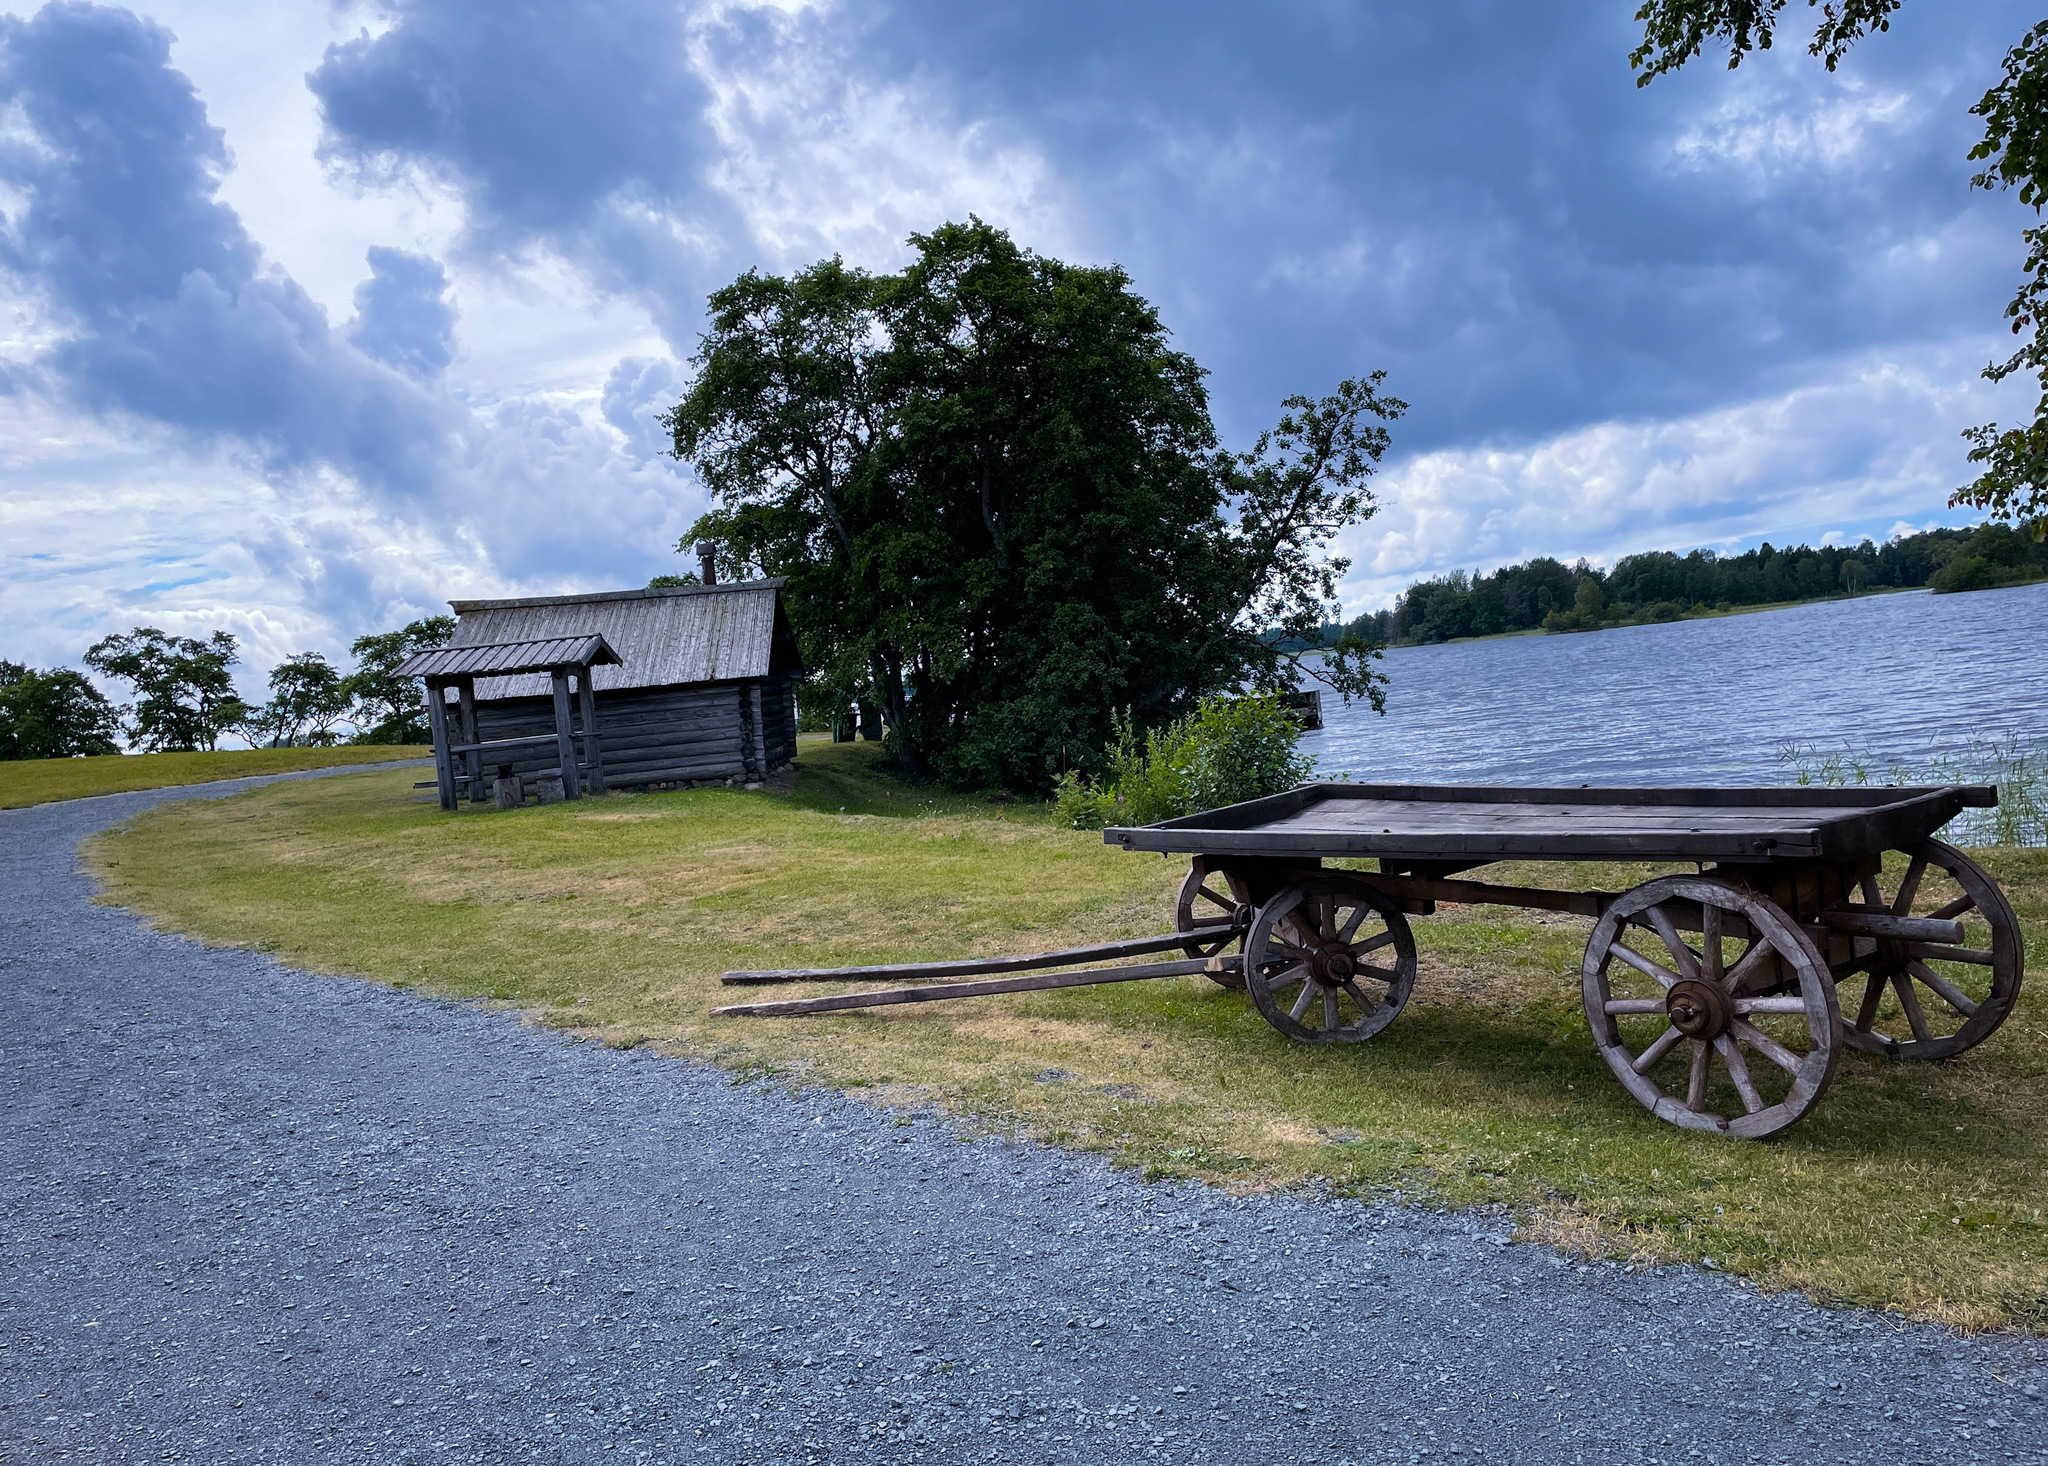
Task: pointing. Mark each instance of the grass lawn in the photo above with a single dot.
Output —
(44, 780)
(1919, 1188)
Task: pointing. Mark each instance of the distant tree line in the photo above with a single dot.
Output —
(184, 697)
(1548, 595)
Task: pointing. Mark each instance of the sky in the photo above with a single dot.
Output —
(314, 316)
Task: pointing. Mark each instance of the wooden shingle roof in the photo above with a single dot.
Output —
(506, 658)
(694, 633)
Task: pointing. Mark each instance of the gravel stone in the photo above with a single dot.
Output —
(251, 1214)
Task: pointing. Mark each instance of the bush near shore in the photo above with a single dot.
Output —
(1915, 1188)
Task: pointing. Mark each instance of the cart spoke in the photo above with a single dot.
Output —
(1710, 941)
(1873, 895)
(1738, 1070)
(1764, 1044)
(1971, 956)
(1366, 1005)
(1384, 974)
(1759, 955)
(1661, 975)
(1902, 904)
(1647, 1059)
(1225, 902)
(1952, 995)
(1688, 960)
(1910, 1001)
(1350, 928)
(1288, 978)
(1955, 908)
(1308, 992)
(1635, 1005)
(1330, 1008)
(1873, 994)
(1696, 1084)
(1373, 944)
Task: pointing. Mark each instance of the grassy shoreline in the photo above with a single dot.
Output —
(25, 782)
(1918, 1189)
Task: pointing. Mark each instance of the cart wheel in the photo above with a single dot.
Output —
(1209, 905)
(1308, 960)
(1926, 1000)
(1666, 1013)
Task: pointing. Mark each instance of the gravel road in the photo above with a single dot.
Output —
(255, 1215)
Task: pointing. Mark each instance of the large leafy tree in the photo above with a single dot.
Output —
(997, 494)
(387, 708)
(53, 714)
(308, 696)
(185, 698)
(2012, 481)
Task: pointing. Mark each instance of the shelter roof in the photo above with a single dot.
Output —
(504, 658)
(679, 634)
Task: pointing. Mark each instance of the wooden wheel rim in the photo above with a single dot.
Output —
(1208, 904)
(1797, 985)
(1930, 1023)
(1289, 985)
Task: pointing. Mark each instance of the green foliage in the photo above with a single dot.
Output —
(185, 699)
(674, 582)
(998, 499)
(2012, 482)
(1992, 556)
(387, 708)
(1227, 751)
(307, 698)
(1662, 586)
(53, 714)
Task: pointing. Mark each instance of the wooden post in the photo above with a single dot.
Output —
(564, 743)
(593, 755)
(472, 762)
(444, 766)
(758, 768)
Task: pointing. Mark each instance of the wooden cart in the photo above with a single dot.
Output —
(1712, 995)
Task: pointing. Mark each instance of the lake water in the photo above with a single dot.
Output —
(1896, 678)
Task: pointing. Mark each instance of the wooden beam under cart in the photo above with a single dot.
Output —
(974, 966)
(885, 997)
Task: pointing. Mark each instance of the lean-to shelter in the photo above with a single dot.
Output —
(705, 689)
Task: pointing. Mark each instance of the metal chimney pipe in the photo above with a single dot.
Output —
(707, 562)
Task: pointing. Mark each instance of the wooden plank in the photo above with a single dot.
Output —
(1067, 957)
(565, 746)
(759, 763)
(886, 997)
(1480, 893)
(444, 765)
(473, 767)
(593, 746)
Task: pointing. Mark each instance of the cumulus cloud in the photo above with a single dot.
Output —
(403, 318)
(158, 301)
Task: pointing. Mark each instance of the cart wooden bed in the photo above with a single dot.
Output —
(1713, 995)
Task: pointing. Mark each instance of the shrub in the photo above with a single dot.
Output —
(1228, 751)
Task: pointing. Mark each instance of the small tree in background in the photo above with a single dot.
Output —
(185, 699)
(54, 714)
(387, 708)
(1227, 751)
(307, 698)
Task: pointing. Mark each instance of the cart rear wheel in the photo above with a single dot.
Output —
(1208, 909)
(1929, 1000)
(1738, 1035)
(1330, 960)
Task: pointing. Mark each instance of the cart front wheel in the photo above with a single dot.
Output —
(1330, 960)
(1208, 911)
(1930, 1000)
(1737, 1034)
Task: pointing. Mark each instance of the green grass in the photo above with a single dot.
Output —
(44, 780)
(1914, 1188)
